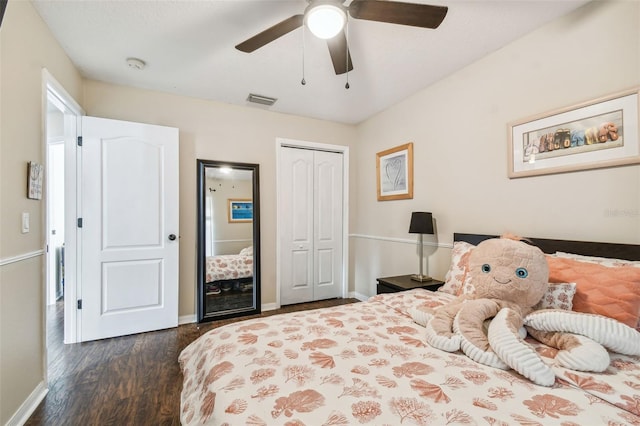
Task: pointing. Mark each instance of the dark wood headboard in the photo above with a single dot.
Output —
(586, 248)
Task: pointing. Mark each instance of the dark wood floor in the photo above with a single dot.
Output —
(130, 380)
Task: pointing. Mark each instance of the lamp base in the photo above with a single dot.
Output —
(421, 278)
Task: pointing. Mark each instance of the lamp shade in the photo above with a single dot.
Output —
(421, 223)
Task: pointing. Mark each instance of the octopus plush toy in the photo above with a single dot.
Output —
(510, 277)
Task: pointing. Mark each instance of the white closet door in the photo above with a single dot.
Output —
(310, 226)
(296, 231)
(327, 225)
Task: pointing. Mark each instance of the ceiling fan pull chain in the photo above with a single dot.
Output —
(303, 82)
(346, 28)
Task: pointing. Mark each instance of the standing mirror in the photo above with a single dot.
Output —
(228, 240)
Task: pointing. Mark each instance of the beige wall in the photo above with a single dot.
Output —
(459, 128)
(26, 46)
(216, 131)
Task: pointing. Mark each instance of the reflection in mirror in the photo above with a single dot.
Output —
(228, 240)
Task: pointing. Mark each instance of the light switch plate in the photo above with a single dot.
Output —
(25, 222)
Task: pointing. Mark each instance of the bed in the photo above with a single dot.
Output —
(368, 363)
(222, 272)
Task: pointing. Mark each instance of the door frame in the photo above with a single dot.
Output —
(51, 88)
(315, 146)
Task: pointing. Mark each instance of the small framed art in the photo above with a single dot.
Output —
(240, 210)
(34, 182)
(394, 170)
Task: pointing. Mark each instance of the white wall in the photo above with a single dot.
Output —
(459, 130)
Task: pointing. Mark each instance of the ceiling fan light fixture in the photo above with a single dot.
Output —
(325, 21)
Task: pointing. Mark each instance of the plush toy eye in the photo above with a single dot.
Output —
(486, 268)
(522, 273)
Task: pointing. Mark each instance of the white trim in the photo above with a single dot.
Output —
(400, 240)
(361, 297)
(244, 240)
(21, 257)
(344, 150)
(269, 307)
(51, 88)
(29, 405)
(187, 319)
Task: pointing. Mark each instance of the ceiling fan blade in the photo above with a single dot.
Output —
(339, 52)
(416, 15)
(271, 34)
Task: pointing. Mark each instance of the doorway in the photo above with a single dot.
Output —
(61, 120)
(312, 244)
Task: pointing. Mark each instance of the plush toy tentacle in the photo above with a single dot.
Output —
(480, 355)
(440, 333)
(575, 352)
(450, 343)
(608, 332)
(505, 341)
(473, 341)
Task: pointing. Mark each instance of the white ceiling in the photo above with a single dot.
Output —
(188, 46)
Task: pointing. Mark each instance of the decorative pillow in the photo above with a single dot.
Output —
(558, 296)
(247, 251)
(603, 290)
(604, 261)
(454, 280)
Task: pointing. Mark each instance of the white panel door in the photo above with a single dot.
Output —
(327, 225)
(296, 233)
(129, 244)
(311, 226)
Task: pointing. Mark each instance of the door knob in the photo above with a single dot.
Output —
(172, 237)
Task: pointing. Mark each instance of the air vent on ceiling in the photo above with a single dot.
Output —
(262, 100)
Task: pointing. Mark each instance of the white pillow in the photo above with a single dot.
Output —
(247, 251)
(558, 296)
(604, 261)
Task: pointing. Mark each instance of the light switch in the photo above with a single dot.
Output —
(25, 222)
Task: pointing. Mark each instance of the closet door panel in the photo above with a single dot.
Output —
(296, 228)
(327, 225)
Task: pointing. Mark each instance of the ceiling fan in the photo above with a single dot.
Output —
(326, 19)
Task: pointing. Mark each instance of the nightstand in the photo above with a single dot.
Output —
(403, 283)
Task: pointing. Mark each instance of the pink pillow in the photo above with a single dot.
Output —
(612, 292)
(455, 278)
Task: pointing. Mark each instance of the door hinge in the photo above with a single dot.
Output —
(79, 222)
(79, 303)
(79, 140)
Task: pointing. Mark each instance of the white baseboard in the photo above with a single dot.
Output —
(186, 319)
(361, 297)
(30, 404)
(269, 307)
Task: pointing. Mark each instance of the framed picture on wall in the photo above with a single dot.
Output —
(35, 176)
(240, 210)
(394, 173)
(594, 134)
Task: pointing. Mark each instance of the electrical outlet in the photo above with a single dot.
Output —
(25, 222)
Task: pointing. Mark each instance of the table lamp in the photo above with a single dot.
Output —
(421, 223)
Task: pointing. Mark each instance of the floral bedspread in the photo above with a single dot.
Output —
(228, 267)
(367, 363)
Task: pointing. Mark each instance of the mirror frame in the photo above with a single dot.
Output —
(202, 165)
